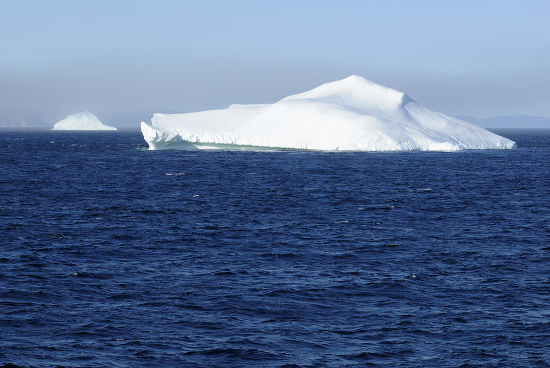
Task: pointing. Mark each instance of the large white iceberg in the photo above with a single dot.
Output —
(349, 114)
(81, 121)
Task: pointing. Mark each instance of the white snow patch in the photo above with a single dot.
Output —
(352, 114)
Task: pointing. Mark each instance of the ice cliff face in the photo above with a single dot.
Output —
(81, 121)
(350, 114)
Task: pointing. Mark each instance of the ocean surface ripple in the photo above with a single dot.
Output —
(112, 255)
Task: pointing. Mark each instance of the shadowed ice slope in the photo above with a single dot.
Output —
(349, 114)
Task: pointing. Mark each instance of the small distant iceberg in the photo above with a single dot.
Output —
(352, 114)
(81, 121)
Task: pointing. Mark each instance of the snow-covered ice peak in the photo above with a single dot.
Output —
(81, 121)
(356, 92)
(351, 114)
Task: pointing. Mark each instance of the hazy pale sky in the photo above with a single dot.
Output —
(481, 58)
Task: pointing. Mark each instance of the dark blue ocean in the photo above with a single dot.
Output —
(115, 256)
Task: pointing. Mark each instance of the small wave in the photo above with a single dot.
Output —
(121, 296)
(174, 173)
(90, 275)
(282, 255)
(376, 207)
(125, 237)
(352, 331)
(365, 355)
(224, 273)
(150, 211)
(233, 352)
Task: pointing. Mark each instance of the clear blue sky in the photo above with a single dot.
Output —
(481, 58)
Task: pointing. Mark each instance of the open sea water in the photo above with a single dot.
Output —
(115, 256)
